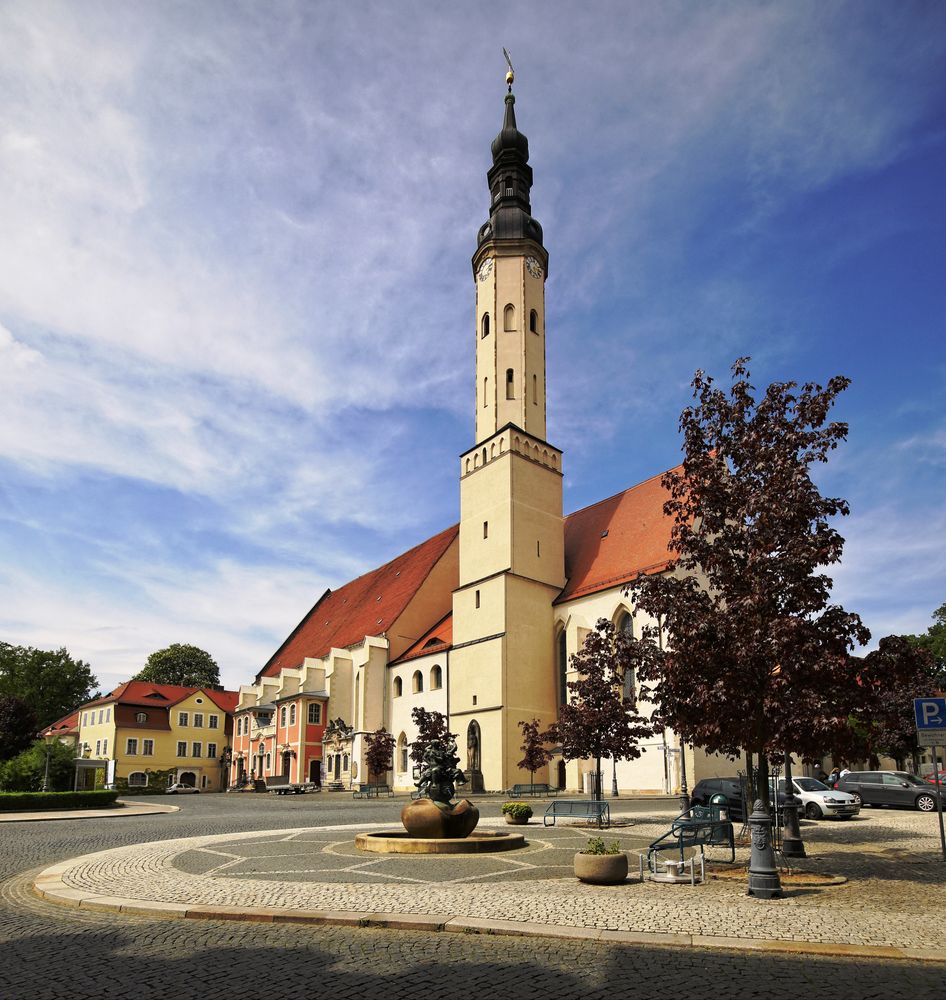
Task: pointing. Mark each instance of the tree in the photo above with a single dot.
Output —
(182, 664)
(25, 772)
(379, 755)
(537, 754)
(51, 682)
(934, 640)
(598, 720)
(757, 659)
(17, 726)
(431, 727)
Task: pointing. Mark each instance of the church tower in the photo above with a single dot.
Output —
(511, 527)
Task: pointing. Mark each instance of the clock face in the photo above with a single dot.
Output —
(535, 268)
(486, 269)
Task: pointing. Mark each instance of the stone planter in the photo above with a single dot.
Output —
(516, 820)
(601, 869)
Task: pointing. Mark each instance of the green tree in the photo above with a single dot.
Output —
(51, 682)
(24, 773)
(934, 640)
(17, 726)
(183, 664)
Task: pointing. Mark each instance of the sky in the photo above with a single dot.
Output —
(236, 301)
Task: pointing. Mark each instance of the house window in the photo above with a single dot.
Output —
(141, 717)
(98, 748)
(436, 678)
(181, 748)
(195, 750)
(509, 318)
(345, 762)
(199, 719)
(131, 748)
(108, 715)
(213, 721)
(182, 718)
(398, 687)
(282, 717)
(147, 748)
(315, 713)
(269, 758)
(104, 748)
(533, 322)
(292, 715)
(485, 326)
(510, 386)
(137, 779)
(417, 682)
(212, 750)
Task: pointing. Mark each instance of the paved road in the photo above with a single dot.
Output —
(52, 952)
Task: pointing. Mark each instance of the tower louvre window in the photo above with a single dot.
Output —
(535, 389)
(509, 318)
(485, 384)
(485, 325)
(510, 384)
(477, 598)
(486, 529)
(533, 321)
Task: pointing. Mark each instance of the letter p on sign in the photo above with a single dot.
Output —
(930, 713)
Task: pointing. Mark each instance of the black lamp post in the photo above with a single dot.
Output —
(684, 792)
(792, 844)
(614, 778)
(50, 739)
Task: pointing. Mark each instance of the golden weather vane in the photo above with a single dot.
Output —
(511, 75)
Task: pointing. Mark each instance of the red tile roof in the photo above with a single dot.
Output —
(68, 725)
(163, 695)
(439, 638)
(368, 605)
(612, 541)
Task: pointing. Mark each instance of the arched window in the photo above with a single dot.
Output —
(417, 682)
(345, 762)
(292, 715)
(402, 761)
(398, 687)
(485, 325)
(562, 668)
(626, 625)
(509, 318)
(533, 322)
(510, 385)
(137, 779)
(436, 678)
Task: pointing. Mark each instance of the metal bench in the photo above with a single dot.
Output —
(589, 809)
(518, 791)
(700, 827)
(372, 792)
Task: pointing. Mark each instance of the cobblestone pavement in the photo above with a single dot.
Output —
(52, 951)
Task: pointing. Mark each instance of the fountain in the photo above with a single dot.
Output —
(433, 824)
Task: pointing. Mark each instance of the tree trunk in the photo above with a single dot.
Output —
(763, 781)
(750, 783)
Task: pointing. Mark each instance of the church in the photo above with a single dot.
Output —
(479, 621)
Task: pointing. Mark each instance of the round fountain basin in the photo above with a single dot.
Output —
(401, 842)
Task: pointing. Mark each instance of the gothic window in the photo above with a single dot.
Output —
(485, 326)
(562, 668)
(626, 625)
(510, 386)
(436, 678)
(509, 318)
(533, 321)
(398, 687)
(417, 682)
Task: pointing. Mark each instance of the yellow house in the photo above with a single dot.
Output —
(143, 733)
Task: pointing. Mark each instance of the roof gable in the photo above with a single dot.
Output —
(439, 638)
(368, 605)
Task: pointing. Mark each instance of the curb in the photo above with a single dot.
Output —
(48, 885)
(127, 809)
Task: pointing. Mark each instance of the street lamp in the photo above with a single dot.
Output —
(684, 793)
(50, 739)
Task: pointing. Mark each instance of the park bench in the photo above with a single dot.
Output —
(700, 827)
(372, 792)
(585, 808)
(518, 791)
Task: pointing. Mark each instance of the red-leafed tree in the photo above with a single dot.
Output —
(598, 720)
(431, 728)
(379, 753)
(537, 754)
(757, 659)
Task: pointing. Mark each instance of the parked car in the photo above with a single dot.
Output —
(705, 789)
(819, 801)
(178, 788)
(936, 778)
(891, 788)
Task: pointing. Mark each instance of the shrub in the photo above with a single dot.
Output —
(597, 846)
(34, 801)
(518, 810)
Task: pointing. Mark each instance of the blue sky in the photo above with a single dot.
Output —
(236, 305)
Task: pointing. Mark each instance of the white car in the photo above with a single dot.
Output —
(179, 788)
(820, 801)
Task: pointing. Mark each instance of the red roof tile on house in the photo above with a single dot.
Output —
(439, 638)
(68, 725)
(612, 541)
(368, 605)
(146, 693)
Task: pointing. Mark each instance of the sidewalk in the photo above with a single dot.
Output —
(891, 906)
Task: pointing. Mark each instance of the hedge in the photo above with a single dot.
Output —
(34, 801)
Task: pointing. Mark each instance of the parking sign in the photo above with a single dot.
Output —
(930, 714)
